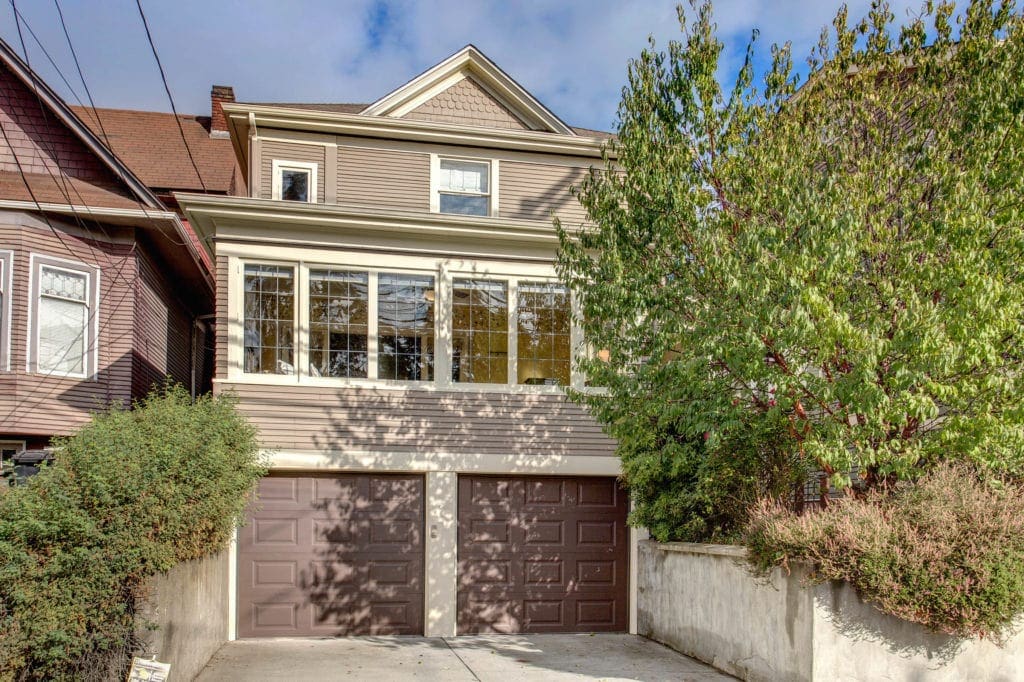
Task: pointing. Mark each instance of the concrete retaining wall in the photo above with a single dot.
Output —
(189, 606)
(702, 601)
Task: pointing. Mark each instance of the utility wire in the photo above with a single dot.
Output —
(129, 286)
(81, 76)
(167, 88)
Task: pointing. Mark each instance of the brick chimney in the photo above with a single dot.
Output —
(218, 122)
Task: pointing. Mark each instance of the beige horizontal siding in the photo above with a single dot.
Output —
(220, 332)
(534, 191)
(369, 419)
(291, 151)
(383, 178)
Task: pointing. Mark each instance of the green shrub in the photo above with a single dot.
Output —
(130, 495)
(946, 552)
(685, 486)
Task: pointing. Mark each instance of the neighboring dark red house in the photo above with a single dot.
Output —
(104, 288)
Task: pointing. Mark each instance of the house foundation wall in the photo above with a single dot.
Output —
(187, 606)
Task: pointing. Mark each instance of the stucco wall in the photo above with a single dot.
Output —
(189, 604)
(701, 600)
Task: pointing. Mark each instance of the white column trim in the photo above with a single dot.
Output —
(441, 554)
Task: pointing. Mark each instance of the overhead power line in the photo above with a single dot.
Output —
(167, 89)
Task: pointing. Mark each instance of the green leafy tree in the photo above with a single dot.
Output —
(128, 496)
(826, 277)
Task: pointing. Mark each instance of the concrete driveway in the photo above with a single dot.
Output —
(504, 658)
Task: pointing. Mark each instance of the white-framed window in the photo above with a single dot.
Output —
(543, 334)
(463, 186)
(405, 326)
(6, 309)
(294, 181)
(405, 319)
(64, 321)
(480, 331)
(269, 319)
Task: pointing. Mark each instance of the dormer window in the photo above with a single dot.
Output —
(294, 181)
(463, 187)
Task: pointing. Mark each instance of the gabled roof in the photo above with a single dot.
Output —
(64, 114)
(150, 143)
(144, 209)
(469, 62)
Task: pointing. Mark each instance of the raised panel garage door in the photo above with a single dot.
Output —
(542, 554)
(332, 555)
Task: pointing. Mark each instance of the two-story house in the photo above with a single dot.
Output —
(389, 316)
(103, 288)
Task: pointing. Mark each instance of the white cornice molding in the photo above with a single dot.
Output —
(207, 213)
(360, 125)
(87, 211)
(470, 60)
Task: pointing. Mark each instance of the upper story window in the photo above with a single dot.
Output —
(407, 319)
(6, 278)
(463, 187)
(62, 340)
(294, 181)
(269, 319)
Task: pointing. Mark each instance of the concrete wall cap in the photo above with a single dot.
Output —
(698, 548)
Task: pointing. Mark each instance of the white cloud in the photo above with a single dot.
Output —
(571, 54)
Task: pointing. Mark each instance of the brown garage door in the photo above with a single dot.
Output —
(333, 555)
(542, 554)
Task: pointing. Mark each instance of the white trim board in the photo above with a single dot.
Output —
(352, 460)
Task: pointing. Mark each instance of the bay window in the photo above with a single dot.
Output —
(454, 328)
(63, 319)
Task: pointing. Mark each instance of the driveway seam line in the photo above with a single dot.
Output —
(464, 664)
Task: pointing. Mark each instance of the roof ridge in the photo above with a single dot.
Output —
(89, 109)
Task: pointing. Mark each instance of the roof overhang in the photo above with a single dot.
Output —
(245, 119)
(209, 215)
(170, 237)
(64, 114)
(151, 212)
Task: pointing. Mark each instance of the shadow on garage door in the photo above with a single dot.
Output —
(333, 555)
(542, 554)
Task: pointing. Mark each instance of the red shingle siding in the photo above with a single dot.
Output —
(40, 142)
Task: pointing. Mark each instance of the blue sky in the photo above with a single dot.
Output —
(570, 54)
